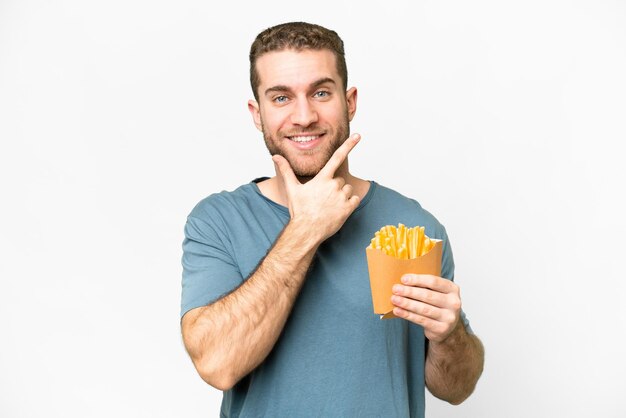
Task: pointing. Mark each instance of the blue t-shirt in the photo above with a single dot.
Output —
(335, 357)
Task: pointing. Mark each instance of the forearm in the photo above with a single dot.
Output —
(454, 365)
(229, 338)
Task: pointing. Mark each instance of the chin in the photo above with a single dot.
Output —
(306, 173)
(306, 170)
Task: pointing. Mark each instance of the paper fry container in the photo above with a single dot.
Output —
(385, 271)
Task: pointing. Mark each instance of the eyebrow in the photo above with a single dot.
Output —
(315, 84)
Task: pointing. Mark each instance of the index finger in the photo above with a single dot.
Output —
(429, 281)
(284, 170)
(339, 156)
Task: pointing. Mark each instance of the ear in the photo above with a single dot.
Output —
(253, 107)
(351, 96)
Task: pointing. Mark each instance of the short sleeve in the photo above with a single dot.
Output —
(209, 270)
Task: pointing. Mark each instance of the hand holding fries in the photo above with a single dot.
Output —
(430, 301)
(323, 204)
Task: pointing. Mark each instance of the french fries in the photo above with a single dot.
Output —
(402, 242)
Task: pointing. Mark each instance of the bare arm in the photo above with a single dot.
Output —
(229, 338)
(454, 365)
(454, 361)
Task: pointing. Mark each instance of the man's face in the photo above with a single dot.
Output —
(303, 112)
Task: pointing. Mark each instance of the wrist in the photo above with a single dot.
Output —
(304, 233)
(454, 339)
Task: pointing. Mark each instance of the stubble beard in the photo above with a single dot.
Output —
(303, 171)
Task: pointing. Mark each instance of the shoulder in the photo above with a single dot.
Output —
(224, 202)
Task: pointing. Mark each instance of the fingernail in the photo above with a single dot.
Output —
(405, 279)
(397, 288)
(356, 137)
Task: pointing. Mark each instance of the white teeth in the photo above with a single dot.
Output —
(303, 138)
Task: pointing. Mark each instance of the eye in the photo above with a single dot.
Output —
(279, 99)
(321, 94)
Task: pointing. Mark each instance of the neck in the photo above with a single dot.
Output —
(274, 188)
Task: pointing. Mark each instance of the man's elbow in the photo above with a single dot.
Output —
(459, 399)
(219, 382)
(460, 396)
(218, 377)
(464, 392)
(454, 394)
(453, 398)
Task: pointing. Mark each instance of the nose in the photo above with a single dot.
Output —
(304, 113)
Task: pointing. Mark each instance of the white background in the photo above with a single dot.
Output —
(505, 119)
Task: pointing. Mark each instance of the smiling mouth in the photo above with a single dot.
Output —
(303, 138)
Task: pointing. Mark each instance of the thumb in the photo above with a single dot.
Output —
(283, 170)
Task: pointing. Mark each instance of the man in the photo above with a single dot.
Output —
(276, 302)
